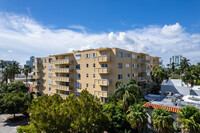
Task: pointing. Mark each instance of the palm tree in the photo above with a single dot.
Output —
(2, 65)
(191, 76)
(26, 70)
(128, 92)
(137, 117)
(158, 75)
(189, 119)
(162, 120)
(173, 66)
(14, 69)
(184, 64)
(5, 76)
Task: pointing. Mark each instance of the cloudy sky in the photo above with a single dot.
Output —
(27, 29)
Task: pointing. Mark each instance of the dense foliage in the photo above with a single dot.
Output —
(14, 98)
(54, 114)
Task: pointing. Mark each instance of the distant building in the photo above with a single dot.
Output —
(176, 59)
(30, 62)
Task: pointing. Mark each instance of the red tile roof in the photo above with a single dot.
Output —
(155, 106)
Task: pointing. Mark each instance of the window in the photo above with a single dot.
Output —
(87, 85)
(50, 67)
(50, 89)
(77, 93)
(119, 65)
(138, 65)
(104, 65)
(50, 74)
(66, 92)
(50, 82)
(93, 75)
(78, 66)
(87, 75)
(94, 65)
(133, 56)
(104, 53)
(87, 65)
(78, 85)
(120, 76)
(66, 57)
(45, 60)
(93, 85)
(128, 55)
(127, 75)
(78, 76)
(127, 65)
(50, 59)
(104, 88)
(87, 56)
(133, 75)
(94, 54)
(78, 56)
(133, 65)
(120, 54)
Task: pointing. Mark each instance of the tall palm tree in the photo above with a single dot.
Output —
(191, 76)
(162, 120)
(137, 117)
(184, 64)
(14, 69)
(158, 75)
(129, 93)
(26, 70)
(189, 116)
(2, 65)
(5, 76)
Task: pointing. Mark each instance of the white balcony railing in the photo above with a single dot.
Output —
(61, 61)
(104, 82)
(101, 93)
(102, 70)
(103, 58)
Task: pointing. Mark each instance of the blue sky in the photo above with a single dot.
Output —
(152, 26)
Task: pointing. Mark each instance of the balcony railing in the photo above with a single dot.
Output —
(61, 61)
(61, 87)
(36, 77)
(145, 69)
(63, 79)
(101, 93)
(104, 82)
(102, 70)
(143, 61)
(61, 70)
(103, 58)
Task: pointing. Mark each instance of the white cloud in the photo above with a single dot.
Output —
(78, 27)
(27, 37)
(10, 51)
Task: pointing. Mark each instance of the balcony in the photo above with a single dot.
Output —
(145, 70)
(63, 95)
(102, 70)
(61, 61)
(101, 93)
(35, 77)
(103, 58)
(61, 70)
(144, 78)
(102, 82)
(62, 79)
(60, 87)
(144, 61)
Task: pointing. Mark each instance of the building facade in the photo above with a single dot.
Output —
(30, 62)
(96, 70)
(176, 59)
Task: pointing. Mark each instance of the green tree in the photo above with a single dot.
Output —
(26, 70)
(189, 116)
(184, 64)
(116, 116)
(54, 114)
(162, 120)
(12, 103)
(129, 93)
(137, 117)
(13, 69)
(2, 65)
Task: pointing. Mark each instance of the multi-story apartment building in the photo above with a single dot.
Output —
(176, 59)
(96, 70)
